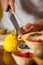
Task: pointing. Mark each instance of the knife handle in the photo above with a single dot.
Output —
(8, 8)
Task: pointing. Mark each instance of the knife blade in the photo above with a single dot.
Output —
(13, 20)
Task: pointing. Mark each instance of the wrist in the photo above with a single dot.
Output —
(39, 27)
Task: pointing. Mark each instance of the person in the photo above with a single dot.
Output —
(29, 11)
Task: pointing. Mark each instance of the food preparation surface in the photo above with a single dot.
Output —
(6, 58)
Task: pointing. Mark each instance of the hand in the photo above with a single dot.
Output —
(6, 3)
(25, 29)
(31, 28)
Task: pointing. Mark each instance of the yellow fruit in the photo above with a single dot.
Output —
(7, 58)
(10, 43)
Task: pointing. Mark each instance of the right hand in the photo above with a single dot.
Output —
(6, 3)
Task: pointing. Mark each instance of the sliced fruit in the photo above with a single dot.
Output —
(14, 31)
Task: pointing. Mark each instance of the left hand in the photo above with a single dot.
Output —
(26, 28)
(38, 26)
(32, 28)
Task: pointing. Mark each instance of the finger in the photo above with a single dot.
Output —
(30, 29)
(28, 25)
(33, 28)
(4, 4)
(25, 28)
(11, 3)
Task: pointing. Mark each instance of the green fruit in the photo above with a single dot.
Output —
(14, 31)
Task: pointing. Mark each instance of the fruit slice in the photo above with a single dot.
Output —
(14, 31)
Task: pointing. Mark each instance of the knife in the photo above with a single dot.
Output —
(14, 21)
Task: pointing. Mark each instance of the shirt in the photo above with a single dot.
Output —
(23, 17)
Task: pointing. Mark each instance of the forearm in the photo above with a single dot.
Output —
(39, 24)
(40, 21)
